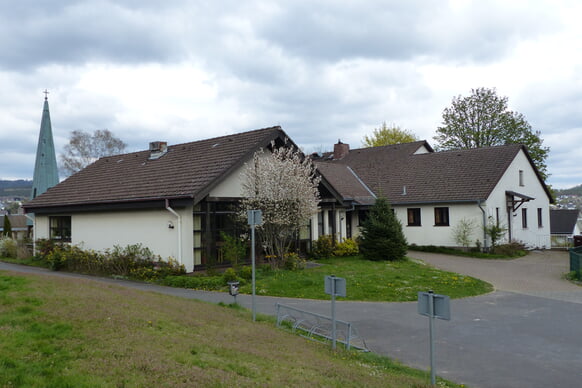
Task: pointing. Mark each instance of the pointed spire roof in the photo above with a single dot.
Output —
(46, 173)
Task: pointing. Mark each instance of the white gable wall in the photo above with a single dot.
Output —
(533, 236)
(231, 186)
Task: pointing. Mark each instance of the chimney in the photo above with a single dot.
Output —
(340, 150)
(158, 149)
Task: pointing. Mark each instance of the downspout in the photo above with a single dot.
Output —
(168, 208)
(484, 225)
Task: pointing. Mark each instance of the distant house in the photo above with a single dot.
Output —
(17, 225)
(431, 192)
(177, 199)
(564, 226)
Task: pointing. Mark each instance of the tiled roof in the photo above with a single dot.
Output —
(402, 176)
(17, 222)
(187, 170)
(346, 182)
(563, 221)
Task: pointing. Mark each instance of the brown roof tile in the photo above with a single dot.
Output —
(188, 170)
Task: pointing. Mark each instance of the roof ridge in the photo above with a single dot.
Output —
(276, 127)
(390, 145)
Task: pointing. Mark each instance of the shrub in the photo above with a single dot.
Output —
(463, 231)
(44, 247)
(382, 237)
(8, 247)
(348, 247)
(23, 249)
(229, 275)
(57, 259)
(207, 283)
(512, 249)
(246, 272)
(322, 247)
(132, 261)
(121, 261)
(294, 262)
(233, 249)
(494, 231)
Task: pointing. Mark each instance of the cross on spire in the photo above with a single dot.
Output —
(46, 93)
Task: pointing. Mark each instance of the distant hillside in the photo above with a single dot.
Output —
(576, 190)
(18, 188)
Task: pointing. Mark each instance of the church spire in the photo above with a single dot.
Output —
(46, 174)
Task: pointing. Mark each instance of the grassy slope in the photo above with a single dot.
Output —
(80, 333)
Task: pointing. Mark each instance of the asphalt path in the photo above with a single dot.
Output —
(524, 334)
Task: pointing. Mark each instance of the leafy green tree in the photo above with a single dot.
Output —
(483, 120)
(382, 237)
(7, 227)
(386, 135)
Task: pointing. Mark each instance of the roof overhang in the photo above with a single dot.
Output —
(513, 203)
(159, 203)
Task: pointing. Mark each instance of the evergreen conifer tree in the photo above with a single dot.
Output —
(382, 237)
(7, 227)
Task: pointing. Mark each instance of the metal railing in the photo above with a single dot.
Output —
(320, 326)
(562, 241)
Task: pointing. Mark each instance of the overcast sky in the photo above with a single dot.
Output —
(180, 70)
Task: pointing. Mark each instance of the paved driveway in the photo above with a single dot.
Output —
(526, 334)
(540, 273)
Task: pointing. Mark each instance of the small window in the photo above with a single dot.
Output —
(362, 217)
(60, 228)
(524, 218)
(521, 178)
(414, 216)
(441, 216)
(497, 216)
(540, 219)
(320, 224)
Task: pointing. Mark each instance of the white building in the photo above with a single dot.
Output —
(177, 199)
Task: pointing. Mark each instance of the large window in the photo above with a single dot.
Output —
(60, 228)
(413, 216)
(441, 216)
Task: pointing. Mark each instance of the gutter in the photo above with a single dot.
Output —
(168, 208)
(484, 224)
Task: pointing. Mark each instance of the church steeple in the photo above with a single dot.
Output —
(46, 173)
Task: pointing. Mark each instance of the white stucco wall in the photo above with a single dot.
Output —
(103, 230)
(429, 234)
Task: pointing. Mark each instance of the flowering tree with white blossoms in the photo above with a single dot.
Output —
(283, 185)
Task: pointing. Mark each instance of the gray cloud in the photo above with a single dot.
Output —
(323, 71)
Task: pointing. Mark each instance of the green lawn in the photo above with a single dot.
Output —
(81, 333)
(368, 281)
